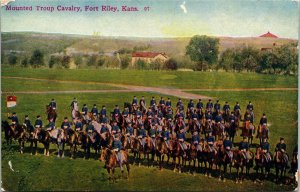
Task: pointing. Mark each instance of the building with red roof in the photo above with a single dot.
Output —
(148, 57)
(269, 35)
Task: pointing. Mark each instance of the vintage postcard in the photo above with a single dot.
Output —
(143, 95)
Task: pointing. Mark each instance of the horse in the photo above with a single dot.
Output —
(179, 153)
(281, 163)
(231, 130)
(194, 125)
(111, 162)
(137, 150)
(262, 133)
(241, 162)
(150, 147)
(248, 131)
(51, 113)
(262, 163)
(43, 137)
(161, 151)
(294, 164)
(223, 159)
(208, 127)
(218, 131)
(18, 132)
(71, 140)
(226, 115)
(126, 141)
(238, 115)
(210, 158)
(192, 157)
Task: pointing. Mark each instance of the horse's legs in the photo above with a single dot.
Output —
(128, 169)
(179, 165)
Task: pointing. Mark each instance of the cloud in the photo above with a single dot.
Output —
(182, 6)
(5, 2)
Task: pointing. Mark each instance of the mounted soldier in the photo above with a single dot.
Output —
(14, 118)
(250, 106)
(244, 149)
(141, 135)
(142, 104)
(66, 126)
(166, 136)
(196, 140)
(265, 146)
(181, 139)
(211, 143)
(94, 111)
(217, 108)
(281, 146)
(209, 106)
(129, 134)
(134, 101)
(117, 146)
(28, 124)
(84, 112)
(168, 103)
(115, 129)
(78, 126)
(227, 143)
(74, 104)
(152, 102)
(52, 104)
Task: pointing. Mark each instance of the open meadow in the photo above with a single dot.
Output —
(43, 173)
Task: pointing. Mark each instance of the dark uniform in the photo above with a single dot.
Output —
(226, 107)
(250, 106)
(168, 103)
(78, 126)
(217, 106)
(162, 101)
(152, 102)
(134, 101)
(94, 110)
(38, 123)
(14, 118)
(27, 123)
(199, 105)
(84, 109)
(52, 104)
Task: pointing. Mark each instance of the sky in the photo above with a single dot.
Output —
(165, 18)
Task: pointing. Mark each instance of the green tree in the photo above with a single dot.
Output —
(101, 61)
(12, 59)
(24, 62)
(227, 61)
(37, 58)
(171, 64)
(65, 61)
(141, 65)
(203, 49)
(78, 61)
(92, 60)
(125, 60)
(249, 58)
(53, 60)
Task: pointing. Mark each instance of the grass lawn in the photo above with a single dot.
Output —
(170, 79)
(34, 85)
(50, 173)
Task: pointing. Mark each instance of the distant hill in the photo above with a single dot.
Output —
(24, 42)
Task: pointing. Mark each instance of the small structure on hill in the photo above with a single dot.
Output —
(269, 35)
(148, 57)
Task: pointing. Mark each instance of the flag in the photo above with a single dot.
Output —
(11, 101)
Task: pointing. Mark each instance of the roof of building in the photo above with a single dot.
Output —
(269, 35)
(147, 54)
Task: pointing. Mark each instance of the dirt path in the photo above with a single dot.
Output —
(133, 88)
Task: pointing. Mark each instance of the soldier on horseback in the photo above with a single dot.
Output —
(162, 101)
(209, 105)
(28, 124)
(196, 140)
(38, 122)
(134, 101)
(152, 134)
(50, 126)
(250, 106)
(142, 135)
(94, 111)
(152, 102)
(181, 139)
(199, 105)
(244, 148)
(14, 118)
(265, 146)
(217, 107)
(117, 146)
(78, 125)
(226, 108)
(52, 104)
(281, 146)
(211, 142)
(166, 136)
(115, 129)
(66, 126)
(190, 106)
(84, 112)
(228, 146)
(168, 103)
(74, 104)
(129, 133)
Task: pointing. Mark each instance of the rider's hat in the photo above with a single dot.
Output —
(65, 118)
(38, 116)
(26, 116)
(244, 137)
(14, 113)
(281, 138)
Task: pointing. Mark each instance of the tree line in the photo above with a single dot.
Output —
(202, 53)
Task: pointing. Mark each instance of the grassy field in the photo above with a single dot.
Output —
(39, 173)
(30, 85)
(170, 79)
